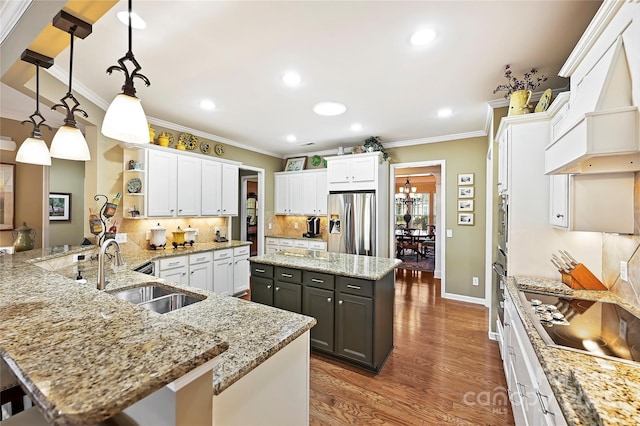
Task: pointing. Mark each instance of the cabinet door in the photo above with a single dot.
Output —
(288, 296)
(559, 213)
(162, 184)
(262, 290)
(321, 194)
(281, 192)
(364, 169)
(308, 195)
(178, 275)
(319, 303)
(201, 276)
(294, 194)
(240, 274)
(338, 171)
(354, 328)
(230, 188)
(211, 188)
(189, 182)
(223, 276)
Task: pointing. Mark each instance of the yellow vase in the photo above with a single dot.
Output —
(163, 140)
(519, 102)
(152, 133)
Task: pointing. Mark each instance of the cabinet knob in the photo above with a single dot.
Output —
(179, 210)
(339, 302)
(184, 273)
(558, 215)
(192, 272)
(329, 299)
(277, 288)
(269, 286)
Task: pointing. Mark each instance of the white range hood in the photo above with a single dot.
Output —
(598, 130)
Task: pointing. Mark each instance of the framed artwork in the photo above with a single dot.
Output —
(295, 164)
(59, 207)
(7, 195)
(465, 205)
(465, 179)
(465, 192)
(465, 218)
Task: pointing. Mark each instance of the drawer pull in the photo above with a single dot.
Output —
(277, 288)
(329, 299)
(269, 286)
(355, 287)
(340, 302)
(315, 280)
(544, 409)
(287, 275)
(173, 263)
(200, 259)
(262, 271)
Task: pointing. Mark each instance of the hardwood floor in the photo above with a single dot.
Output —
(443, 369)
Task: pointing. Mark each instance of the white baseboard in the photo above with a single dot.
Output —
(461, 298)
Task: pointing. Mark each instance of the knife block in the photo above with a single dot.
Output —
(581, 278)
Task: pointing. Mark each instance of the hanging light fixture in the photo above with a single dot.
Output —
(34, 150)
(68, 142)
(125, 119)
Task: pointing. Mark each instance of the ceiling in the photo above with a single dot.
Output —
(357, 53)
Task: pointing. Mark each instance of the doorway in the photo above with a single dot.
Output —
(420, 208)
(251, 219)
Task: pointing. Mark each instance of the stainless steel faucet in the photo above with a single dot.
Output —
(118, 260)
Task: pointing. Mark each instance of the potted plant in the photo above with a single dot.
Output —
(374, 143)
(519, 91)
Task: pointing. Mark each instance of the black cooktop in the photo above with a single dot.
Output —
(594, 327)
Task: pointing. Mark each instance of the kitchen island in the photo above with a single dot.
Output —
(351, 296)
(84, 356)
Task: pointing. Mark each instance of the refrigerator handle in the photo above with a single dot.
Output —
(347, 229)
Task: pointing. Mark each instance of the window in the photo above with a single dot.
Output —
(421, 207)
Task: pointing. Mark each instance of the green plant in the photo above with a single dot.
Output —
(375, 142)
(529, 82)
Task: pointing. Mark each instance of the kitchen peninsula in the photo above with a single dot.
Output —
(351, 296)
(84, 356)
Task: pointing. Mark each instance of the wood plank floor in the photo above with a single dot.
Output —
(443, 369)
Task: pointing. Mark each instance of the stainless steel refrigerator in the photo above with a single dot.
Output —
(351, 218)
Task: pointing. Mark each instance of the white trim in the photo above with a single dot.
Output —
(7, 144)
(243, 205)
(12, 11)
(80, 88)
(493, 336)
(461, 298)
(489, 243)
(261, 191)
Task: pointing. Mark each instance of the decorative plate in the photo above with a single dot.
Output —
(205, 147)
(545, 101)
(219, 149)
(188, 140)
(134, 185)
(170, 137)
(316, 160)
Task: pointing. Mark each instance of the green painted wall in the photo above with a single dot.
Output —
(68, 176)
(465, 251)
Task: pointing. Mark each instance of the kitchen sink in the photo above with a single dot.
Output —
(157, 298)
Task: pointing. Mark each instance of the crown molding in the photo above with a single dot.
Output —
(10, 14)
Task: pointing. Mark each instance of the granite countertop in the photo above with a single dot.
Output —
(348, 265)
(300, 237)
(589, 389)
(54, 346)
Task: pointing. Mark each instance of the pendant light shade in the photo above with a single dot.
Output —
(69, 142)
(34, 150)
(125, 119)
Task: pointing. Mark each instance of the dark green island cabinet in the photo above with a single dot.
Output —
(354, 314)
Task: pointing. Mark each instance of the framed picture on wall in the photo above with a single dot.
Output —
(7, 196)
(465, 179)
(59, 207)
(295, 164)
(465, 205)
(465, 218)
(465, 192)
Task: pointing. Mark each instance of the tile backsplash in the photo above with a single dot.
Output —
(617, 248)
(285, 226)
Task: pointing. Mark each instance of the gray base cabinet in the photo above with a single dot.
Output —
(354, 316)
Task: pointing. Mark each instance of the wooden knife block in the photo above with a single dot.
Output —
(581, 278)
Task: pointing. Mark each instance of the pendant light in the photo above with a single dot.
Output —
(33, 150)
(125, 119)
(68, 142)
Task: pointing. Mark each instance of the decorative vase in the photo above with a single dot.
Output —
(519, 102)
(152, 134)
(163, 140)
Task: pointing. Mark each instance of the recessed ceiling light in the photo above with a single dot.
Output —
(291, 138)
(356, 126)
(423, 37)
(444, 113)
(136, 21)
(207, 105)
(329, 108)
(291, 78)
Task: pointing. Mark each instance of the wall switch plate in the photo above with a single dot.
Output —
(449, 233)
(197, 231)
(269, 225)
(476, 281)
(217, 229)
(622, 329)
(295, 225)
(147, 235)
(121, 237)
(624, 271)
(78, 257)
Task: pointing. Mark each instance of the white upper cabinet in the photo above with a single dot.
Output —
(559, 200)
(353, 172)
(219, 189)
(162, 184)
(301, 193)
(189, 181)
(314, 196)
